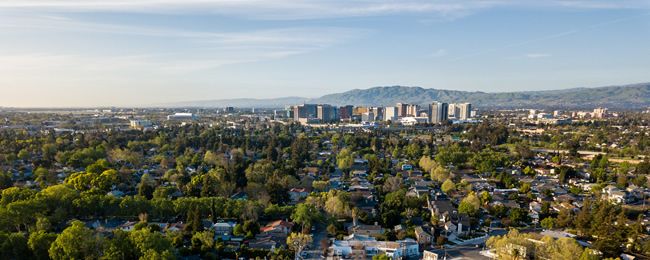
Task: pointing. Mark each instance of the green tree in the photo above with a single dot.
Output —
(466, 208)
(548, 223)
(251, 226)
(121, 246)
(305, 214)
(24, 155)
(345, 159)
(76, 242)
(485, 197)
(145, 240)
(40, 242)
(448, 186)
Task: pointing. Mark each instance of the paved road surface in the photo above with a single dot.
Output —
(461, 253)
(315, 251)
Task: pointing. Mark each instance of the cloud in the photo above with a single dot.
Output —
(193, 50)
(302, 9)
(439, 53)
(537, 55)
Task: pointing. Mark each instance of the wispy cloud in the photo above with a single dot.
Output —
(305, 9)
(439, 53)
(196, 50)
(537, 55)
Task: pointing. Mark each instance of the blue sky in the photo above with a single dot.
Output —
(129, 53)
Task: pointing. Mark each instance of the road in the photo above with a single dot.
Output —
(315, 251)
(461, 253)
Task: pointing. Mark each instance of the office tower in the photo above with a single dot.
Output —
(464, 111)
(402, 109)
(412, 110)
(324, 113)
(391, 113)
(452, 110)
(346, 112)
(438, 112)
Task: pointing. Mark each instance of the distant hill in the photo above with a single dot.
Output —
(634, 96)
(629, 96)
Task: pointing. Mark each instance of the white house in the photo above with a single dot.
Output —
(297, 194)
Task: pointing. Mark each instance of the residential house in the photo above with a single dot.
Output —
(459, 227)
(424, 237)
(277, 227)
(298, 194)
(441, 208)
(369, 230)
(176, 227)
(223, 228)
(617, 194)
(128, 226)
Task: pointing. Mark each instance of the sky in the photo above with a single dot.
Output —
(88, 53)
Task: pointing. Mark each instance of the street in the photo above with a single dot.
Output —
(315, 251)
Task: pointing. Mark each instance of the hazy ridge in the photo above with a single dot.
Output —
(633, 96)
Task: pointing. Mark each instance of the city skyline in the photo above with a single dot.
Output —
(125, 53)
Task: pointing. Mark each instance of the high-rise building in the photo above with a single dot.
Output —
(464, 111)
(412, 110)
(402, 109)
(438, 112)
(368, 116)
(359, 110)
(391, 113)
(452, 110)
(324, 113)
(378, 112)
(305, 111)
(346, 112)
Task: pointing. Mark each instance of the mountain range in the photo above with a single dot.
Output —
(633, 96)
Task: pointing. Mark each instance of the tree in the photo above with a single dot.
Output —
(510, 245)
(439, 174)
(519, 215)
(194, 220)
(485, 197)
(448, 186)
(525, 188)
(466, 208)
(251, 226)
(345, 159)
(320, 185)
(561, 249)
(145, 240)
(305, 214)
(40, 242)
(76, 242)
(331, 229)
(121, 246)
(298, 241)
(146, 190)
(381, 257)
(14, 246)
(548, 223)
(441, 240)
(24, 155)
(393, 184)
(324, 243)
(474, 200)
(564, 218)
